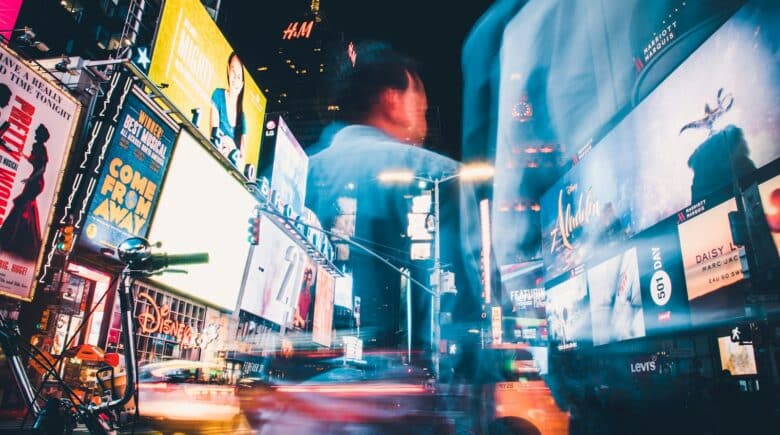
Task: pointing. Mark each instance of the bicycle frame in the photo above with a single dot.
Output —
(13, 354)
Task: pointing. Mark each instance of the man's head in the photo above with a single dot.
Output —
(383, 89)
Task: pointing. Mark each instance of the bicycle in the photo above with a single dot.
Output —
(62, 415)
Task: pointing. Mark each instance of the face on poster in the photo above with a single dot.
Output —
(568, 313)
(692, 135)
(323, 309)
(306, 295)
(193, 57)
(770, 200)
(37, 122)
(616, 299)
(275, 275)
(130, 182)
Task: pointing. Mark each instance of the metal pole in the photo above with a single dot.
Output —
(437, 275)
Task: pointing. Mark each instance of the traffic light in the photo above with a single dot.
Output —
(254, 230)
(65, 243)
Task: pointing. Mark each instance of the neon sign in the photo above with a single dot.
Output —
(157, 320)
(298, 30)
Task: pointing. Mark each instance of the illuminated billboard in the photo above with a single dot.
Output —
(131, 179)
(712, 261)
(195, 61)
(770, 199)
(37, 124)
(274, 275)
(202, 208)
(616, 299)
(700, 129)
(568, 312)
(343, 291)
(323, 309)
(739, 359)
(662, 278)
(283, 161)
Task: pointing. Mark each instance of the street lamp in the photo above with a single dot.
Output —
(471, 172)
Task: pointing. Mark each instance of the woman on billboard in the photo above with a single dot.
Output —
(21, 231)
(228, 125)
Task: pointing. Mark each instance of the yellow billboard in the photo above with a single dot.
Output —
(199, 71)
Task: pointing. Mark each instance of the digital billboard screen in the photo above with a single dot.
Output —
(198, 65)
(616, 299)
(712, 261)
(284, 162)
(770, 200)
(37, 125)
(662, 278)
(203, 208)
(131, 178)
(568, 312)
(323, 309)
(700, 129)
(739, 359)
(274, 275)
(343, 291)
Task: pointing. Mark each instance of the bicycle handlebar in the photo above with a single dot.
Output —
(161, 261)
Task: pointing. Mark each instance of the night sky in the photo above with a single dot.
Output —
(431, 31)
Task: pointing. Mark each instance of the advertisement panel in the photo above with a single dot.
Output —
(770, 200)
(568, 313)
(202, 208)
(9, 10)
(284, 162)
(739, 359)
(523, 288)
(343, 291)
(616, 299)
(196, 62)
(129, 184)
(699, 129)
(305, 298)
(274, 275)
(323, 309)
(37, 122)
(711, 260)
(662, 278)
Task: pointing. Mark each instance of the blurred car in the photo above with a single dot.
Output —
(187, 395)
(520, 396)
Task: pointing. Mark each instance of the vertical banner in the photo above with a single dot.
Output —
(129, 183)
(203, 74)
(37, 123)
(323, 308)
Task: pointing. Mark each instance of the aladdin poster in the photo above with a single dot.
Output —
(131, 178)
(37, 123)
(714, 120)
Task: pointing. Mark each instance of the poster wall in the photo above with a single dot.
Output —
(37, 123)
(193, 57)
(698, 130)
(323, 309)
(131, 179)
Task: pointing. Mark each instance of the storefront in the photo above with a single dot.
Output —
(168, 326)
